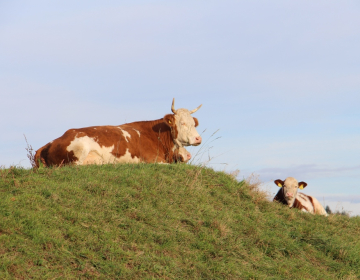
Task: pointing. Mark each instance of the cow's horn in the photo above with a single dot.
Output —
(173, 106)
(193, 111)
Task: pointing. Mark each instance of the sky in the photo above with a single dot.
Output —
(279, 81)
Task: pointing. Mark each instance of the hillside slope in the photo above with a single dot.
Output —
(162, 221)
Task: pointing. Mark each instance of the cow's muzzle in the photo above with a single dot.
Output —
(197, 141)
(290, 195)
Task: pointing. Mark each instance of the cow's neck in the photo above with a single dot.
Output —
(165, 135)
(280, 196)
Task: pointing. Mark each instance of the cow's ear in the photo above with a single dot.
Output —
(196, 122)
(279, 183)
(169, 120)
(302, 185)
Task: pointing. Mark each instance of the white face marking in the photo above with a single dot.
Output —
(187, 134)
(138, 132)
(290, 187)
(125, 134)
(88, 151)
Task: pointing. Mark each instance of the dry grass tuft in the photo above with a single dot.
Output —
(256, 193)
(221, 227)
(234, 174)
(204, 150)
(30, 153)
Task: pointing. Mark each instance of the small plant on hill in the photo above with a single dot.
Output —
(30, 153)
(205, 148)
(328, 210)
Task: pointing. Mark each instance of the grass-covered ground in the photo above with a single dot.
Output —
(162, 221)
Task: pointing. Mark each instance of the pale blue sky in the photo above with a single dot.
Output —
(280, 79)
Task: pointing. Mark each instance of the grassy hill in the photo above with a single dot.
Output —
(162, 221)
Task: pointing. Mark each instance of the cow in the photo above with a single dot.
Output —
(289, 195)
(157, 141)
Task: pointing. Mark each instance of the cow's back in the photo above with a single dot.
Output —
(309, 204)
(127, 143)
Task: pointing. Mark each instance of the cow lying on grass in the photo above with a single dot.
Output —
(158, 141)
(289, 195)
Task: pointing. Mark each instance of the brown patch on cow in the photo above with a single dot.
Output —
(174, 132)
(311, 200)
(297, 204)
(314, 205)
(169, 120)
(196, 122)
(55, 152)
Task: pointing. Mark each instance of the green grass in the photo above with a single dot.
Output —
(152, 221)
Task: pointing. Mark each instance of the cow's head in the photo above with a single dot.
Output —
(181, 155)
(290, 188)
(183, 125)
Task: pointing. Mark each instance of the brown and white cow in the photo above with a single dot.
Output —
(159, 141)
(289, 195)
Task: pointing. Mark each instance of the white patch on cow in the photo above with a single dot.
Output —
(138, 132)
(125, 134)
(88, 151)
(94, 127)
(127, 158)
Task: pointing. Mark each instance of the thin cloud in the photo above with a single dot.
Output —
(304, 171)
